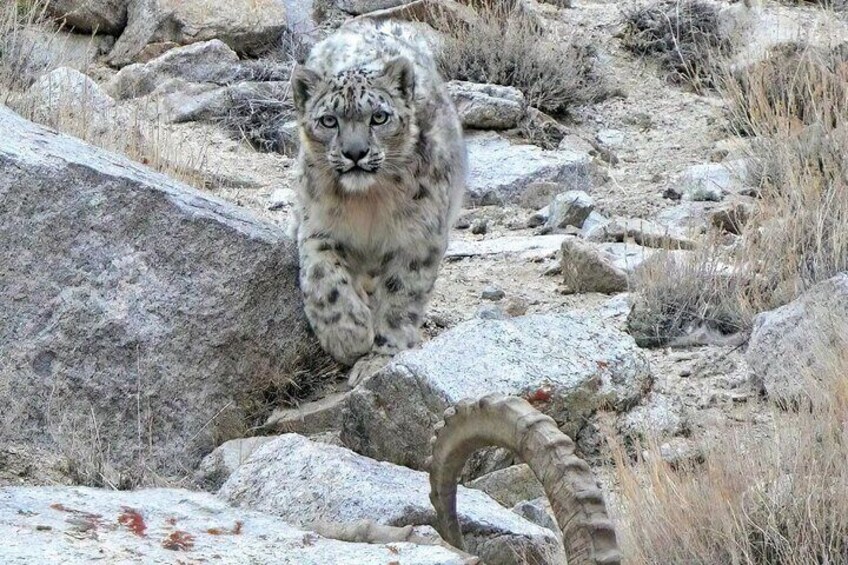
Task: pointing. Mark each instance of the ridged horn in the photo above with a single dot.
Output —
(510, 422)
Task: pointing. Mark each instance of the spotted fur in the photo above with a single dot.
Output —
(382, 174)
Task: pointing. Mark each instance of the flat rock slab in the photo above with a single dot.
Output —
(135, 309)
(569, 364)
(304, 482)
(499, 171)
(531, 248)
(83, 525)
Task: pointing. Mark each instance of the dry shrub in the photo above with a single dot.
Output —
(796, 103)
(796, 85)
(679, 295)
(509, 48)
(796, 237)
(685, 36)
(260, 116)
(759, 498)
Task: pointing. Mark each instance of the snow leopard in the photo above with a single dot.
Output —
(381, 177)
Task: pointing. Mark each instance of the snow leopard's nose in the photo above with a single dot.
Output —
(355, 152)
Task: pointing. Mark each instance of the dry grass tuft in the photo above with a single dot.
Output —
(678, 296)
(260, 118)
(685, 36)
(796, 85)
(510, 49)
(759, 498)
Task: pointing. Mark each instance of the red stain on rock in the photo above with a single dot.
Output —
(539, 395)
(178, 541)
(225, 532)
(133, 520)
(81, 519)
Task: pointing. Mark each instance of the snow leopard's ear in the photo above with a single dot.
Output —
(400, 74)
(303, 83)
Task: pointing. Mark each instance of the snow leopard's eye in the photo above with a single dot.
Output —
(328, 121)
(379, 118)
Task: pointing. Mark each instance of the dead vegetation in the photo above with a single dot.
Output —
(261, 117)
(794, 103)
(79, 108)
(761, 496)
(510, 49)
(678, 296)
(684, 36)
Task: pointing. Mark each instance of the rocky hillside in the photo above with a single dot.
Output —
(653, 252)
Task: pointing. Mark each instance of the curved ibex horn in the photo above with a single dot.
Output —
(510, 422)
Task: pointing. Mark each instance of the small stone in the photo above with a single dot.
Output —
(712, 181)
(587, 268)
(592, 222)
(540, 217)
(480, 226)
(490, 312)
(487, 106)
(492, 293)
(732, 216)
(463, 223)
(570, 209)
(516, 306)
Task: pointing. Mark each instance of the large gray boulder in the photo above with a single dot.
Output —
(66, 95)
(204, 62)
(487, 106)
(141, 320)
(571, 366)
(305, 482)
(499, 171)
(77, 526)
(247, 26)
(600, 267)
(788, 349)
(90, 16)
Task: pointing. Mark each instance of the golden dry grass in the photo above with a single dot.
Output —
(796, 104)
(761, 497)
(773, 495)
(135, 132)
